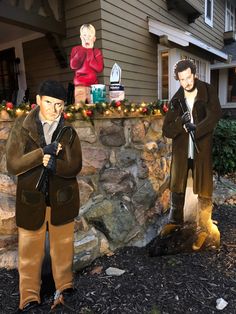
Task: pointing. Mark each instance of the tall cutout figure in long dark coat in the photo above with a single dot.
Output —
(190, 121)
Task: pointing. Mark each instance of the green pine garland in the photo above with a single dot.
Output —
(89, 111)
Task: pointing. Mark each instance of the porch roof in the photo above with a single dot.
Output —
(183, 38)
(231, 50)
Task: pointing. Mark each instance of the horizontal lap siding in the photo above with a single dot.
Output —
(122, 34)
(199, 29)
(79, 12)
(40, 64)
(127, 41)
(40, 61)
(212, 36)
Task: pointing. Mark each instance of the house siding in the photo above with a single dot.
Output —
(123, 36)
(40, 61)
(40, 64)
(127, 41)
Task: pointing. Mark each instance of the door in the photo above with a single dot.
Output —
(8, 75)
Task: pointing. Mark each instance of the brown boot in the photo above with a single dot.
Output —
(176, 214)
(207, 233)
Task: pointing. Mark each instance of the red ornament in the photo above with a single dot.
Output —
(9, 105)
(165, 107)
(144, 110)
(118, 103)
(65, 115)
(33, 106)
(89, 112)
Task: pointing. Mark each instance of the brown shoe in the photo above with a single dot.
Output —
(29, 306)
(168, 229)
(63, 298)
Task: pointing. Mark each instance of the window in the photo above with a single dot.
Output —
(231, 95)
(8, 77)
(209, 12)
(201, 67)
(165, 75)
(229, 16)
(166, 83)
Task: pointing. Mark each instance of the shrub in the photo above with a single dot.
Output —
(224, 147)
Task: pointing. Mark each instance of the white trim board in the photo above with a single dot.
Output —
(223, 65)
(181, 37)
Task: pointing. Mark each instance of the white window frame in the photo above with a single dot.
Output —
(174, 56)
(223, 88)
(209, 21)
(223, 83)
(202, 66)
(229, 16)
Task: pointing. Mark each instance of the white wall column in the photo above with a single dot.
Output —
(223, 86)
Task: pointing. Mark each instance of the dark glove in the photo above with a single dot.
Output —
(51, 149)
(186, 117)
(190, 127)
(51, 166)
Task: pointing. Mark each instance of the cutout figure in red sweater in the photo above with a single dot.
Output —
(87, 61)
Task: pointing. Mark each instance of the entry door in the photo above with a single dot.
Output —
(8, 76)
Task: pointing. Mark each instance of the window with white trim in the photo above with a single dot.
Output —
(229, 16)
(209, 12)
(231, 95)
(201, 67)
(164, 74)
(167, 57)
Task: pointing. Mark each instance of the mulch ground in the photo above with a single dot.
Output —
(181, 283)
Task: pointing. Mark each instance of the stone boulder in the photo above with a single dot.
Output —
(88, 245)
(94, 159)
(112, 136)
(117, 181)
(7, 214)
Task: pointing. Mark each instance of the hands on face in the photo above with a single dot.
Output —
(87, 38)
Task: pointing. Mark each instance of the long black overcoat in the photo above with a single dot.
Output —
(24, 159)
(206, 113)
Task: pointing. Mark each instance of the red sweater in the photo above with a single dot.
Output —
(86, 62)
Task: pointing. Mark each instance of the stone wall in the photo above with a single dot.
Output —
(123, 187)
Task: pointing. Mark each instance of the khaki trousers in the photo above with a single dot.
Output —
(31, 254)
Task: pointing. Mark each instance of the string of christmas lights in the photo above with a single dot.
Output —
(116, 108)
(90, 111)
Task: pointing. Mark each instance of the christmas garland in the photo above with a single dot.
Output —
(116, 109)
(13, 111)
(90, 111)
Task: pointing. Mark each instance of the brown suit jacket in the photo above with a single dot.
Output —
(24, 159)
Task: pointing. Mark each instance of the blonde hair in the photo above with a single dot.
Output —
(90, 27)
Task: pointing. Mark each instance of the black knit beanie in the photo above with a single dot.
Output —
(52, 89)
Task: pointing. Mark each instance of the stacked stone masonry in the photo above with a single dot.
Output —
(123, 187)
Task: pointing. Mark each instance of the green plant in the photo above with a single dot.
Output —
(224, 147)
